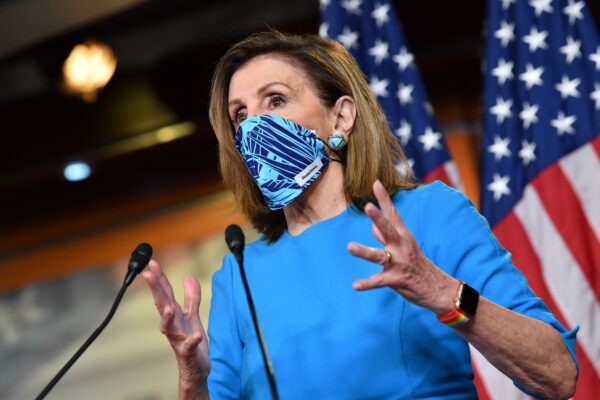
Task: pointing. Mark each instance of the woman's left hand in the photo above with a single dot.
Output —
(407, 271)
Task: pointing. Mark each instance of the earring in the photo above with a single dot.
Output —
(336, 141)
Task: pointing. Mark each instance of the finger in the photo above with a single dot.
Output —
(162, 279)
(377, 235)
(375, 281)
(192, 341)
(191, 296)
(160, 297)
(376, 256)
(386, 204)
(166, 322)
(389, 234)
(187, 357)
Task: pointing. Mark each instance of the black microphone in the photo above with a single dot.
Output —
(137, 262)
(234, 237)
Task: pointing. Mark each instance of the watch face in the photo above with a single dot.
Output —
(469, 298)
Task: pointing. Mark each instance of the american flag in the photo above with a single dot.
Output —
(371, 32)
(540, 178)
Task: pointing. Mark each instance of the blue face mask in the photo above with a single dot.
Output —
(283, 157)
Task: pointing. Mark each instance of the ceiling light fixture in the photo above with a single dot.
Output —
(88, 68)
(76, 171)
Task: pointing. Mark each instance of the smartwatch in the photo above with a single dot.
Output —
(465, 307)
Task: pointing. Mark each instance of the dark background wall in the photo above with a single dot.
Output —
(166, 52)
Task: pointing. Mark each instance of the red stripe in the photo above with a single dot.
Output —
(510, 234)
(482, 390)
(596, 145)
(564, 209)
(438, 174)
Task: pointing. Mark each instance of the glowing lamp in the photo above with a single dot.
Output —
(88, 68)
(77, 171)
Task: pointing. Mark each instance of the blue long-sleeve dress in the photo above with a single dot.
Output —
(328, 341)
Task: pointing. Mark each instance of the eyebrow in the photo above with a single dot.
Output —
(260, 91)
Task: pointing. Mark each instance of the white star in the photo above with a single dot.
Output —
(379, 87)
(404, 132)
(324, 3)
(595, 95)
(536, 40)
(527, 152)
(380, 14)
(404, 59)
(324, 30)
(499, 186)
(506, 33)
(571, 50)
(573, 10)
(348, 38)
(405, 93)
(379, 51)
(568, 87)
(540, 6)
(503, 71)
(532, 76)
(352, 6)
(528, 115)
(500, 148)
(501, 109)
(403, 170)
(507, 3)
(595, 58)
(563, 123)
(431, 139)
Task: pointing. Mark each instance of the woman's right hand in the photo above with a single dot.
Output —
(183, 329)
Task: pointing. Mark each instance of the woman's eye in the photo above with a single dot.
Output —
(239, 117)
(276, 101)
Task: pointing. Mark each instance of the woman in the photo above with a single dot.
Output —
(354, 302)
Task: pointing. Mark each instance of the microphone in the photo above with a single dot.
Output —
(234, 237)
(137, 262)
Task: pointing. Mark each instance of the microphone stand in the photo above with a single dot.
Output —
(239, 256)
(138, 261)
(85, 345)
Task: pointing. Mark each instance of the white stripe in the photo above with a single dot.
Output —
(497, 385)
(562, 275)
(452, 172)
(582, 168)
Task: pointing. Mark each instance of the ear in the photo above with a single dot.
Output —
(343, 116)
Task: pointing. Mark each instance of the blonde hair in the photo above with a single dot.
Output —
(371, 153)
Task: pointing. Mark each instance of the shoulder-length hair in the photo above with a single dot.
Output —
(372, 151)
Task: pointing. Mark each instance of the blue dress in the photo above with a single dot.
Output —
(328, 341)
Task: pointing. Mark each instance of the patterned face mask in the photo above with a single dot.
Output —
(283, 157)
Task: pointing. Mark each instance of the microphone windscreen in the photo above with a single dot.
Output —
(234, 237)
(141, 256)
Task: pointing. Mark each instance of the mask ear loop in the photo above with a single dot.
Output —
(335, 143)
(337, 152)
